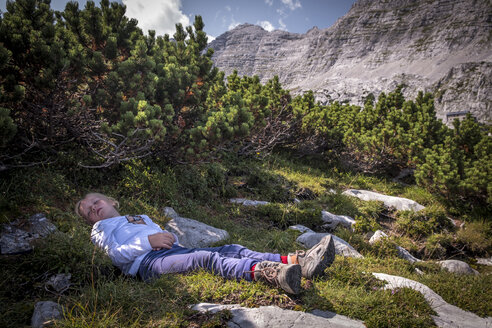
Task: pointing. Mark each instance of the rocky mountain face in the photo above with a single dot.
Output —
(442, 46)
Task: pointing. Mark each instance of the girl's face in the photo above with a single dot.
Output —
(96, 208)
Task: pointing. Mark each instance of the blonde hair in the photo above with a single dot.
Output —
(116, 204)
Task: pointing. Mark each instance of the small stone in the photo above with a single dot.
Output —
(301, 228)
(404, 254)
(16, 237)
(15, 241)
(332, 220)
(378, 235)
(247, 202)
(456, 266)
(485, 261)
(40, 225)
(45, 312)
(59, 282)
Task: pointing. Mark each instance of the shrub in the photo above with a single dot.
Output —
(476, 236)
(423, 223)
(365, 223)
(385, 247)
(436, 245)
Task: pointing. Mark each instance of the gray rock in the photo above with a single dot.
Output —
(301, 228)
(45, 313)
(401, 204)
(485, 261)
(247, 202)
(456, 266)
(15, 241)
(332, 220)
(17, 236)
(378, 235)
(273, 316)
(447, 315)
(192, 233)
(40, 225)
(309, 239)
(403, 253)
(59, 282)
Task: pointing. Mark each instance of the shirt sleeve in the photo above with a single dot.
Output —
(149, 221)
(122, 254)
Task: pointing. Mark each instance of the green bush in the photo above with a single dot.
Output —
(476, 237)
(365, 224)
(423, 223)
(436, 245)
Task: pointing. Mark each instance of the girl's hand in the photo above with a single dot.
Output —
(161, 240)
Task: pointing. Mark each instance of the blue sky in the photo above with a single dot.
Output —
(220, 16)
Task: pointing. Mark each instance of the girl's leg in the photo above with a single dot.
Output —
(186, 260)
(238, 251)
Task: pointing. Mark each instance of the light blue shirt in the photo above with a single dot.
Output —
(126, 243)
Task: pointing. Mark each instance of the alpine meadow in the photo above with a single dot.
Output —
(89, 102)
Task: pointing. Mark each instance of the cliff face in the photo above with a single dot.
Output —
(442, 46)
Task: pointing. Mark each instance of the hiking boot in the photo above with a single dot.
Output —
(315, 260)
(285, 276)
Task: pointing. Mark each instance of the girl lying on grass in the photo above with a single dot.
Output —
(138, 246)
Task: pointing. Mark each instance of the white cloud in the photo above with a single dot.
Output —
(292, 4)
(228, 8)
(210, 38)
(233, 24)
(269, 2)
(282, 24)
(158, 15)
(266, 25)
(281, 12)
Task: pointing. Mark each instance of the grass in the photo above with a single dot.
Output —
(101, 297)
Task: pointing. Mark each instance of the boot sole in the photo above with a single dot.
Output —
(320, 264)
(292, 279)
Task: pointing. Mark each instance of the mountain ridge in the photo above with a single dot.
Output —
(441, 46)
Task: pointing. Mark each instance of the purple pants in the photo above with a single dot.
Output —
(228, 261)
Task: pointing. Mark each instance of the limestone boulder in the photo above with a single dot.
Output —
(378, 235)
(485, 261)
(15, 241)
(192, 233)
(448, 315)
(45, 313)
(16, 237)
(402, 253)
(301, 228)
(457, 266)
(309, 239)
(401, 204)
(59, 283)
(248, 202)
(273, 316)
(332, 220)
